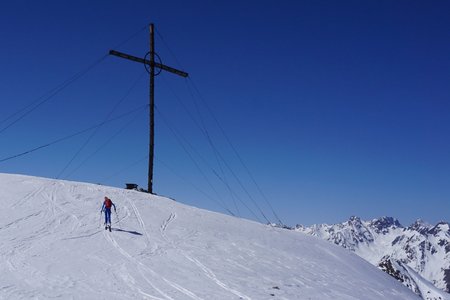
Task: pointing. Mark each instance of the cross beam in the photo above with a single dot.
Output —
(148, 62)
(153, 64)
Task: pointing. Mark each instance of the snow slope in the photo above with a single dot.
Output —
(52, 246)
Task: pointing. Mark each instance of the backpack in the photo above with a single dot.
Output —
(108, 203)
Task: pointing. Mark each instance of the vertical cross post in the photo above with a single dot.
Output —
(151, 148)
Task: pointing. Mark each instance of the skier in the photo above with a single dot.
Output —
(107, 209)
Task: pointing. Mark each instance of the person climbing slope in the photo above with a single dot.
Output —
(106, 207)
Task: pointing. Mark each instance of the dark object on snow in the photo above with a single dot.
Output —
(131, 186)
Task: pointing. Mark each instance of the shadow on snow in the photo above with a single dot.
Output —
(127, 231)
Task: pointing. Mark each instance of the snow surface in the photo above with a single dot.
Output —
(53, 246)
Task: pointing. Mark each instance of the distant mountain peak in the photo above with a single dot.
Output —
(384, 224)
(441, 227)
(354, 219)
(420, 226)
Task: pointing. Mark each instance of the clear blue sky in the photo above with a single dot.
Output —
(337, 108)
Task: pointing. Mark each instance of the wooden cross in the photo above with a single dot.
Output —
(152, 64)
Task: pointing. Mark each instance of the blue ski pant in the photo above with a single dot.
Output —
(107, 215)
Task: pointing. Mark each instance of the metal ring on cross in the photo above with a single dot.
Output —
(158, 60)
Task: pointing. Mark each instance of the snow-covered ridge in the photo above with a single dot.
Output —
(417, 255)
(53, 246)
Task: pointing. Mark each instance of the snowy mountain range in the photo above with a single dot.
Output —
(417, 255)
(54, 245)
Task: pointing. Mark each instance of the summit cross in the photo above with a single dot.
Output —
(152, 65)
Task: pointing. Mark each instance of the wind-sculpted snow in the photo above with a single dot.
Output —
(53, 246)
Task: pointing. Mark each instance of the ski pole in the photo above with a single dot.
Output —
(117, 217)
(100, 220)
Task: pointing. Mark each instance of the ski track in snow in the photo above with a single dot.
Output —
(131, 259)
(166, 223)
(139, 218)
(30, 196)
(144, 268)
(209, 273)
